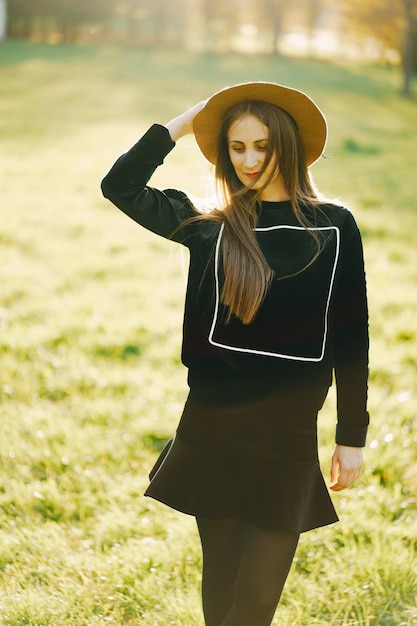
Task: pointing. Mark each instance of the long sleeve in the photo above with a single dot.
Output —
(161, 211)
(350, 339)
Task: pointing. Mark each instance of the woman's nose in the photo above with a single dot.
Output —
(250, 158)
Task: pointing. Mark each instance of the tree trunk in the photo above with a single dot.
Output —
(408, 47)
(3, 19)
(276, 12)
(313, 13)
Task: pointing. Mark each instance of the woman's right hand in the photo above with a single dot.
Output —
(183, 124)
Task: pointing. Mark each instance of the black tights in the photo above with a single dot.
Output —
(244, 571)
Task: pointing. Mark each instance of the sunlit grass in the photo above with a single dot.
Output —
(90, 321)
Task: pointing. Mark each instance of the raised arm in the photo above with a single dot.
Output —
(126, 184)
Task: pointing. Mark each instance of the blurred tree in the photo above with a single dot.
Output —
(314, 11)
(220, 23)
(280, 17)
(409, 49)
(3, 19)
(216, 25)
(134, 14)
(47, 19)
(69, 17)
(391, 22)
(168, 22)
(273, 14)
(19, 15)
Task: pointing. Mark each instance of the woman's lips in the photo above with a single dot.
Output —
(254, 175)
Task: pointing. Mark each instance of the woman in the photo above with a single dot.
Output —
(276, 302)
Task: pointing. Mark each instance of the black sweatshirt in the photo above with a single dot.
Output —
(311, 323)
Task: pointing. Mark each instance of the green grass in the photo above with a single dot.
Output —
(90, 321)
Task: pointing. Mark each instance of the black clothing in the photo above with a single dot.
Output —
(247, 440)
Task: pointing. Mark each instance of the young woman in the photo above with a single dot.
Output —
(275, 303)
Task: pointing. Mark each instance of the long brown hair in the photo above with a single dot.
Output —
(247, 275)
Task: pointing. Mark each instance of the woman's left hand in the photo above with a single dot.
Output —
(346, 467)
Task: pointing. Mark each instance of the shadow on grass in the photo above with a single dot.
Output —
(214, 70)
(15, 51)
(154, 442)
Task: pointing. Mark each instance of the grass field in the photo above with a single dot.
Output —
(90, 319)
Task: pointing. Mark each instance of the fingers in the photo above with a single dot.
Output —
(188, 116)
(183, 124)
(334, 469)
(344, 480)
(198, 107)
(192, 113)
(346, 467)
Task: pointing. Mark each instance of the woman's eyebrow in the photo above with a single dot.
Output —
(243, 143)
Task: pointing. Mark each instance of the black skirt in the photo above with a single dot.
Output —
(251, 453)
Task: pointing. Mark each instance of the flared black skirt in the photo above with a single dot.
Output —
(253, 455)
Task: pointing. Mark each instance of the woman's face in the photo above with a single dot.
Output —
(248, 142)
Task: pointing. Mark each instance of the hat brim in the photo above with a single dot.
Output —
(310, 120)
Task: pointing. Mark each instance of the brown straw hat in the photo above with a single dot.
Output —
(310, 120)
